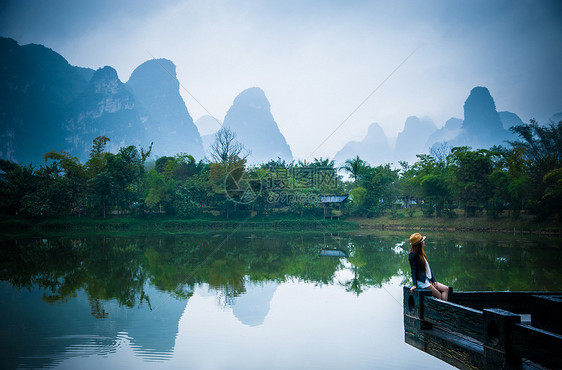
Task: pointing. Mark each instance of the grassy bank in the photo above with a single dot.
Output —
(525, 224)
(165, 224)
(159, 224)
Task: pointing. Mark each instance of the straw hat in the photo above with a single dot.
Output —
(416, 238)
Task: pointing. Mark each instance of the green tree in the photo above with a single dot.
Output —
(191, 195)
(432, 177)
(470, 178)
(542, 144)
(97, 156)
(408, 184)
(354, 167)
(542, 149)
(119, 184)
(510, 179)
(160, 191)
(102, 191)
(359, 196)
(16, 182)
(68, 182)
(161, 164)
(379, 182)
(322, 163)
(552, 196)
(180, 167)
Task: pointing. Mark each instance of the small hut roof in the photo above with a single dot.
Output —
(333, 198)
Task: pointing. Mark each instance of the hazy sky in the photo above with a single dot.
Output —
(318, 60)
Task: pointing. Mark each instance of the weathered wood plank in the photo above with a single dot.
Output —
(537, 345)
(546, 313)
(464, 320)
(474, 329)
(517, 302)
(448, 347)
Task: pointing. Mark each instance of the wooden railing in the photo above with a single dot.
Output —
(483, 329)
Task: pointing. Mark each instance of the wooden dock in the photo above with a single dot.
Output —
(487, 330)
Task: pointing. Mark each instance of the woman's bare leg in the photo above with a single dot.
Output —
(444, 290)
(434, 292)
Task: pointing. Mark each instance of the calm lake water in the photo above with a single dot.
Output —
(239, 301)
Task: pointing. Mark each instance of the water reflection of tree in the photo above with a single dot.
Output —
(104, 268)
(355, 284)
(237, 261)
(488, 264)
(374, 262)
(119, 268)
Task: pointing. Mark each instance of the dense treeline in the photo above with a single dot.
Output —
(527, 176)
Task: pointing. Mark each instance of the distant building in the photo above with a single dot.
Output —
(330, 199)
(330, 202)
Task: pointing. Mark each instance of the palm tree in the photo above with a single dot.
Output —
(354, 167)
(542, 147)
(542, 144)
(323, 163)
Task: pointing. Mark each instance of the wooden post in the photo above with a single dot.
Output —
(414, 325)
(546, 313)
(497, 328)
(413, 307)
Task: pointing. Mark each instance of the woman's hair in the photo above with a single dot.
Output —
(418, 249)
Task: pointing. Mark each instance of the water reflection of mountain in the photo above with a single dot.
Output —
(66, 297)
(39, 334)
(252, 307)
(152, 331)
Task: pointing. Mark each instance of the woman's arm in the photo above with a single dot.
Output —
(412, 258)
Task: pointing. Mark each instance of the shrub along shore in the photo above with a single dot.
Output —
(13, 226)
(164, 224)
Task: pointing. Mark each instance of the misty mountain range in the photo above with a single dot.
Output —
(482, 127)
(47, 104)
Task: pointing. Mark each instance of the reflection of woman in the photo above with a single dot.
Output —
(421, 272)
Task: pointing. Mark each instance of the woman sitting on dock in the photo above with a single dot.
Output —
(421, 272)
